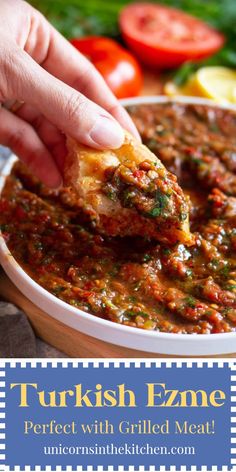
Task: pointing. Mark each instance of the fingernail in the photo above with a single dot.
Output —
(136, 134)
(107, 132)
(123, 117)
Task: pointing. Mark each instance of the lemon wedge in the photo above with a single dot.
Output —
(217, 83)
(214, 82)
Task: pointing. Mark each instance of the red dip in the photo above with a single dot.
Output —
(137, 282)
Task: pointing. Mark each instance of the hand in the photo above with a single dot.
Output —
(61, 90)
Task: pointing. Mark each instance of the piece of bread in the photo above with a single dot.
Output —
(128, 191)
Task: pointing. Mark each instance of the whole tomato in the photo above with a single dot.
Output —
(118, 67)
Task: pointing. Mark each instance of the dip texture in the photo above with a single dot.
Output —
(135, 281)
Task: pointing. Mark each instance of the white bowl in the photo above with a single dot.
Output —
(134, 338)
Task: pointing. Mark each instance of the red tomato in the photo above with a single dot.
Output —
(118, 67)
(165, 37)
(89, 45)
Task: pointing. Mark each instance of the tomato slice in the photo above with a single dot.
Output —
(165, 37)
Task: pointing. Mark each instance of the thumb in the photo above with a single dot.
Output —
(64, 106)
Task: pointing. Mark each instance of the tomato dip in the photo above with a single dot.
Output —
(135, 281)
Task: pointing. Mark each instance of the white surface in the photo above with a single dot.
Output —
(149, 341)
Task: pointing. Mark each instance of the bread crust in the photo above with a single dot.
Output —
(132, 169)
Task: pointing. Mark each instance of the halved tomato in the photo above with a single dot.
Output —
(164, 37)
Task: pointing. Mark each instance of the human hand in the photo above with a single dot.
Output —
(61, 90)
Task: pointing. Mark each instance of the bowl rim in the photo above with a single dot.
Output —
(151, 99)
(8, 260)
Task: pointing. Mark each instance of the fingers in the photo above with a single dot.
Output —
(53, 139)
(62, 105)
(63, 61)
(123, 117)
(24, 141)
(66, 63)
